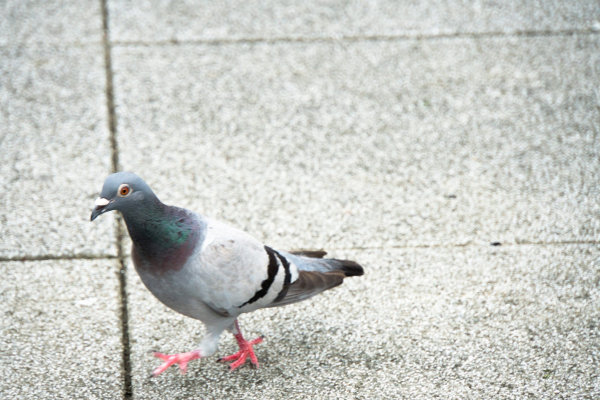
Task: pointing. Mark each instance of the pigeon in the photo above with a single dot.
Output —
(210, 271)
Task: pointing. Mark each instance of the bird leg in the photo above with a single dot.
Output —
(246, 350)
(182, 359)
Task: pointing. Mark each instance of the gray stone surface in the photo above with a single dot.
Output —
(475, 322)
(57, 21)
(406, 135)
(60, 330)
(162, 20)
(371, 144)
(55, 150)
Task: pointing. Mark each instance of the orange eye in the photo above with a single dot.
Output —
(124, 190)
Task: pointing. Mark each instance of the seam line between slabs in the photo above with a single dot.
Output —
(357, 38)
(122, 272)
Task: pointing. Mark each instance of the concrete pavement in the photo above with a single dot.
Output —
(406, 136)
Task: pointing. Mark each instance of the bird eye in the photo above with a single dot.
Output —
(124, 190)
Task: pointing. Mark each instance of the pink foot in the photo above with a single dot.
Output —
(246, 351)
(182, 359)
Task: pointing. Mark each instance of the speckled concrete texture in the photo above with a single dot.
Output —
(54, 140)
(509, 322)
(452, 148)
(59, 21)
(161, 20)
(60, 331)
(452, 141)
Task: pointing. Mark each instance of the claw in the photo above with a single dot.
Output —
(246, 350)
(181, 359)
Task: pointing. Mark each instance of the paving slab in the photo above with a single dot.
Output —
(55, 150)
(370, 144)
(456, 323)
(161, 20)
(57, 22)
(60, 330)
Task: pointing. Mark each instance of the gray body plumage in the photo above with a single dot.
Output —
(208, 270)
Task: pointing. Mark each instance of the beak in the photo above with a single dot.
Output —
(100, 207)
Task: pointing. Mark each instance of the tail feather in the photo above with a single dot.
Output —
(316, 274)
(309, 253)
(348, 267)
(312, 260)
(308, 284)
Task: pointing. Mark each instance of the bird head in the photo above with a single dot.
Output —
(121, 191)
